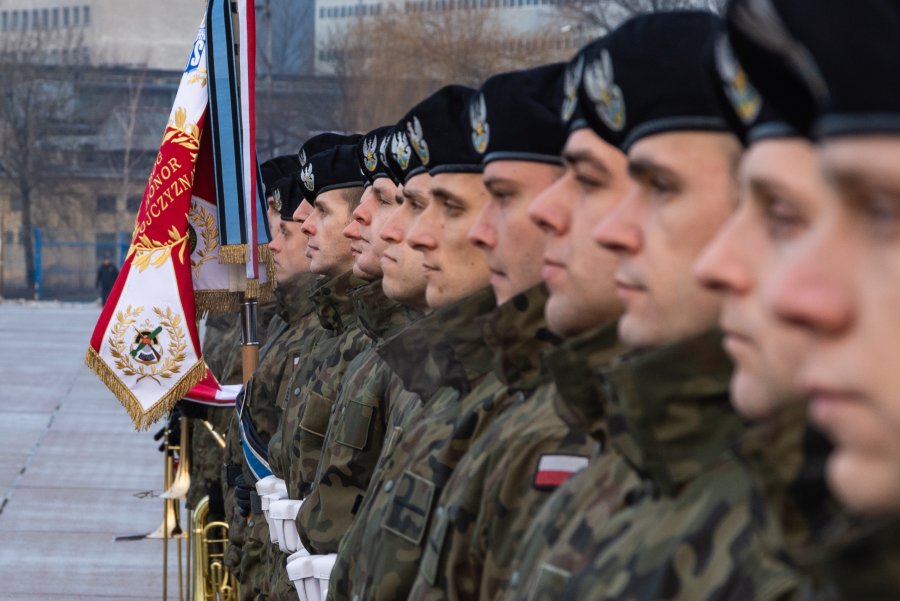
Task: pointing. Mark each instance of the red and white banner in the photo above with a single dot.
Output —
(146, 345)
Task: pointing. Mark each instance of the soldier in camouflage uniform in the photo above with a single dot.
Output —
(851, 558)
(443, 358)
(273, 171)
(335, 185)
(280, 358)
(357, 427)
(700, 524)
(510, 471)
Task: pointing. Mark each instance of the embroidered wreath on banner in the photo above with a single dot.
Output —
(124, 360)
(149, 252)
(202, 221)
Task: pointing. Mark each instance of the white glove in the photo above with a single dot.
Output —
(283, 513)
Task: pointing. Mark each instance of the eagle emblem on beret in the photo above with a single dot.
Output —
(275, 199)
(402, 151)
(309, 180)
(571, 79)
(382, 149)
(302, 157)
(481, 130)
(414, 129)
(600, 85)
(743, 97)
(370, 146)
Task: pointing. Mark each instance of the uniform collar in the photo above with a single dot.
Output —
(577, 370)
(334, 304)
(669, 410)
(443, 349)
(378, 316)
(295, 297)
(517, 332)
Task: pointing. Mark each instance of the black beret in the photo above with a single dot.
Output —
(320, 142)
(402, 162)
(371, 152)
(752, 118)
(331, 169)
(516, 116)
(289, 196)
(831, 65)
(437, 131)
(278, 167)
(650, 76)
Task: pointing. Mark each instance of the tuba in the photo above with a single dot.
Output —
(212, 580)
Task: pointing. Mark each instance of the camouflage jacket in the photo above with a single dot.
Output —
(554, 542)
(356, 429)
(502, 481)
(699, 525)
(279, 359)
(313, 387)
(445, 360)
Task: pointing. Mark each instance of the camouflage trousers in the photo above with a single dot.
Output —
(280, 586)
(254, 580)
(237, 532)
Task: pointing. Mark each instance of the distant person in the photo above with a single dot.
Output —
(106, 277)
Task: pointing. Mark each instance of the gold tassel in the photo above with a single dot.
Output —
(217, 301)
(142, 418)
(233, 254)
(236, 254)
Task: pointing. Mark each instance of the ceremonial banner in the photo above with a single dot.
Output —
(146, 346)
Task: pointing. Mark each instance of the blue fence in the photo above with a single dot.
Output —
(67, 269)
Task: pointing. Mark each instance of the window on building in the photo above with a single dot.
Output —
(24, 20)
(35, 19)
(86, 15)
(76, 16)
(133, 204)
(9, 237)
(65, 16)
(54, 22)
(5, 21)
(106, 204)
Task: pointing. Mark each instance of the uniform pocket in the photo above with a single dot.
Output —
(410, 507)
(316, 414)
(353, 431)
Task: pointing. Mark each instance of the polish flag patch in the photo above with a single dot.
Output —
(553, 470)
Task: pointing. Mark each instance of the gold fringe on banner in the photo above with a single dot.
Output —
(252, 289)
(143, 419)
(233, 254)
(217, 301)
(236, 254)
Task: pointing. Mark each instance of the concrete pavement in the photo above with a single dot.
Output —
(73, 472)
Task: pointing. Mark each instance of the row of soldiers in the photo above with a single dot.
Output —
(616, 329)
